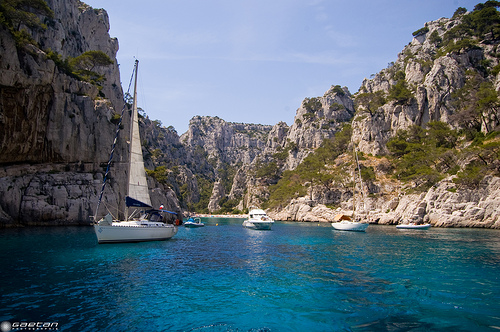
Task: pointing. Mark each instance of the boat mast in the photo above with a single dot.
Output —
(360, 182)
(353, 186)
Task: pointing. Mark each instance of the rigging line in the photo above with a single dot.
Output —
(108, 208)
(114, 144)
(143, 96)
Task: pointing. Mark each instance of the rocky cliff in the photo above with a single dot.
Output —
(436, 78)
(225, 142)
(432, 78)
(228, 154)
(430, 82)
(56, 129)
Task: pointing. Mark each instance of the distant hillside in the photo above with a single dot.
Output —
(427, 122)
(426, 129)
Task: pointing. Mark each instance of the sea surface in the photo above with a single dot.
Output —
(223, 277)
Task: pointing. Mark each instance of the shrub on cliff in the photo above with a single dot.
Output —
(399, 92)
(483, 156)
(425, 156)
(476, 104)
(15, 13)
(420, 32)
(370, 101)
(483, 20)
(84, 66)
(315, 170)
(417, 154)
(312, 104)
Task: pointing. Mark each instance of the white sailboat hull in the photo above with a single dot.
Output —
(354, 226)
(134, 233)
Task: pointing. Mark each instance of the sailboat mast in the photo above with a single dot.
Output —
(353, 187)
(361, 189)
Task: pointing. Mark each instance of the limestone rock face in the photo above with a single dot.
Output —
(277, 137)
(445, 206)
(47, 115)
(217, 195)
(44, 197)
(435, 81)
(224, 141)
(57, 131)
(316, 120)
(304, 210)
(79, 28)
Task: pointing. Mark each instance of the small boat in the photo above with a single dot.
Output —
(193, 223)
(144, 223)
(344, 223)
(258, 219)
(412, 225)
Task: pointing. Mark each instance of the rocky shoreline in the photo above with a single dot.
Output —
(442, 206)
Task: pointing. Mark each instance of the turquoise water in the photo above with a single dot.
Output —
(296, 277)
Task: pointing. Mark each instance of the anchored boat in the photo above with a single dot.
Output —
(193, 223)
(413, 226)
(346, 223)
(144, 223)
(258, 219)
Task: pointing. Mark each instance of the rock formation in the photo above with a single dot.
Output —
(57, 130)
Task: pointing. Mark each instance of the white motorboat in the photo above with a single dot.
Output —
(149, 225)
(193, 223)
(258, 219)
(412, 225)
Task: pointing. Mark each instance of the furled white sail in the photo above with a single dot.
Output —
(144, 223)
(137, 182)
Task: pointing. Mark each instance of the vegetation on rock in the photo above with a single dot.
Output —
(466, 147)
(423, 157)
(315, 170)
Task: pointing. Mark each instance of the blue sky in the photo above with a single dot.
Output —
(254, 61)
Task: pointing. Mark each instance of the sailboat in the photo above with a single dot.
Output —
(144, 223)
(346, 223)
